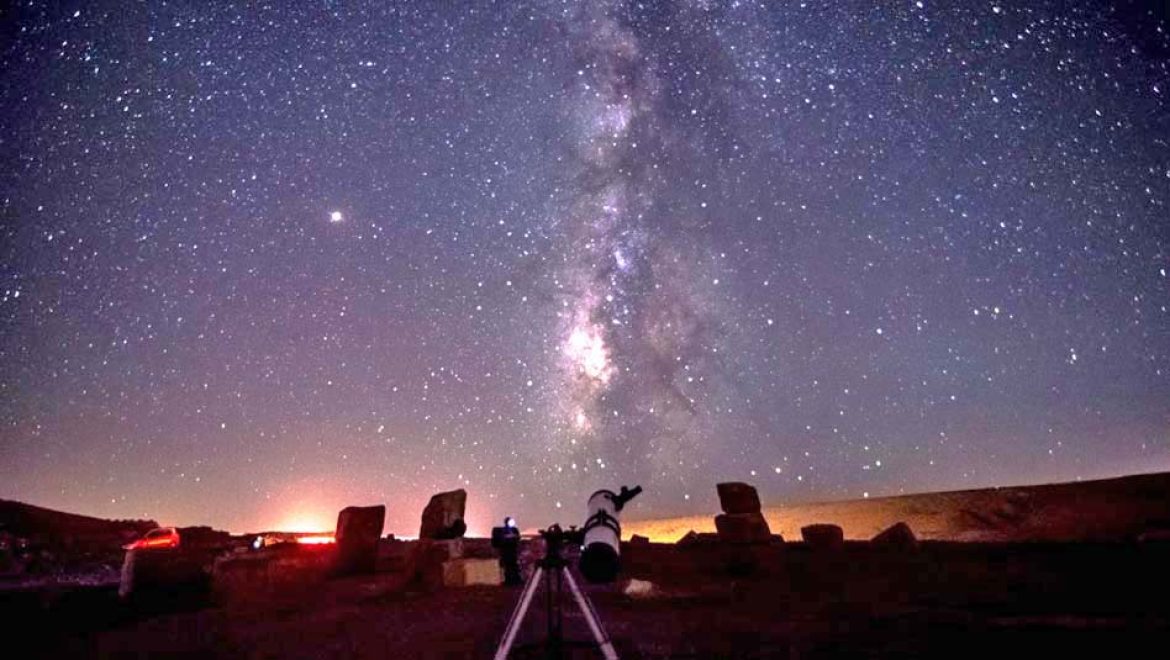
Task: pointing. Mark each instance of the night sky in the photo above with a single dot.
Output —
(259, 263)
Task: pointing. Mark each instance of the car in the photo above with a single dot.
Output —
(160, 537)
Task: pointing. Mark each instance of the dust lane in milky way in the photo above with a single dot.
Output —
(259, 263)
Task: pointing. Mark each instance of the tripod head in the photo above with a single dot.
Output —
(555, 539)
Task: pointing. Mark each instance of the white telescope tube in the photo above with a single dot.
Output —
(601, 547)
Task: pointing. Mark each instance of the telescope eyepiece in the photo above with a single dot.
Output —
(625, 495)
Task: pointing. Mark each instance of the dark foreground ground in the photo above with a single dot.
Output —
(943, 600)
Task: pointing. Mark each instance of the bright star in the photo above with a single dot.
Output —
(335, 216)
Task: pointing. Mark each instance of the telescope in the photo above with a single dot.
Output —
(600, 541)
(554, 573)
(601, 551)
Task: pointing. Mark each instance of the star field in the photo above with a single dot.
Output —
(261, 262)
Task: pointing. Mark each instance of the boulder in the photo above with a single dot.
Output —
(470, 572)
(743, 528)
(823, 537)
(738, 497)
(898, 535)
(358, 531)
(639, 589)
(443, 517)
(638, 541)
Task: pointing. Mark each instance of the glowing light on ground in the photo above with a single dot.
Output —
(316, 539)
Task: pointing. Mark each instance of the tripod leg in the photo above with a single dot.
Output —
(553, 612)
(518, 616)
(603, 641)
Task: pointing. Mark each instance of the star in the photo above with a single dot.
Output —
(674, 243)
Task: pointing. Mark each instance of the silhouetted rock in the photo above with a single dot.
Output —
(743, 528)
(738, 497)
(358, 531)
(639, 541)
(693, 539)
(823, 537)
(443, 517)
(898, 535)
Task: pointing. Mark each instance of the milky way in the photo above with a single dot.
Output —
(259, 263)
(635, 315)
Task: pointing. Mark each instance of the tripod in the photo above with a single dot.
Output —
(555, 573)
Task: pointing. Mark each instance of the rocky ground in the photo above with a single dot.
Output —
(1073, 570)
(940, 600)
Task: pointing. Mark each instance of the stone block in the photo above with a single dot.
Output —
(443, 516)
(823, 537)
(738, 497)
(471, 572)
(899, 536)
(428, 557)
(743, 528)
(358, 530)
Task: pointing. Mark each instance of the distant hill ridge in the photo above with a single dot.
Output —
(26, 520)
(1116, 509)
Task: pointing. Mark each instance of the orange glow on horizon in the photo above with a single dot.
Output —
(301, 523)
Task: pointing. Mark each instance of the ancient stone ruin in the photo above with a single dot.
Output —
(286, 568)
(825, 538)
(439, 558)
(741, 521)
(738, 497)
(358, 531)
(742, 530)
(443, 517)
(428, 557)
(896, 537)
